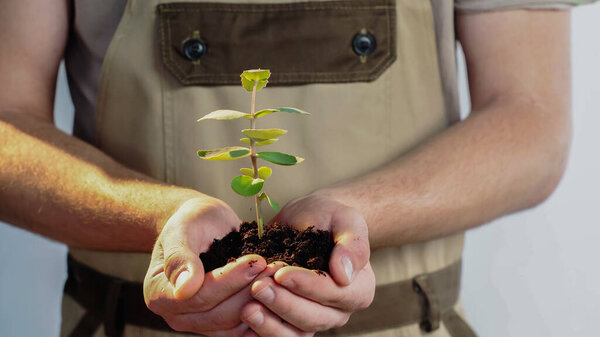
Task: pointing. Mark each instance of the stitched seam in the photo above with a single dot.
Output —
(253, 8)
(268, 10)
(311, 77)
(172, 57)
(167, 51)
(192, 75)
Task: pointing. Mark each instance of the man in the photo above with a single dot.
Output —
(508, 155)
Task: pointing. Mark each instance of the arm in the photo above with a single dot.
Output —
(507, 156)
(58, 186)
(51, 183)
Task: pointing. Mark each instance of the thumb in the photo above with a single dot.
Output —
(351, 251)
(183, 268)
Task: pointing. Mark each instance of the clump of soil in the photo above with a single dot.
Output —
(308, 248)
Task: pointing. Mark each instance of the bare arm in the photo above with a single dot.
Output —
(51, 183)
(507, 156)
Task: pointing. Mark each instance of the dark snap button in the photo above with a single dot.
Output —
(194, 49)
(364, 44)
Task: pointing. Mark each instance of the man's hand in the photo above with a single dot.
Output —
(299, 302)
(176, 287)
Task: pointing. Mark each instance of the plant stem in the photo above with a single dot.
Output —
(257, 205)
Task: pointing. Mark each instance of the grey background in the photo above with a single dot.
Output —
(534, 273)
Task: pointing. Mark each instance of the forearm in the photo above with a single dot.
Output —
(65, 189)
(508, 156)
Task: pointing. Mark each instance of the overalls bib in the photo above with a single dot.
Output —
(367, 109)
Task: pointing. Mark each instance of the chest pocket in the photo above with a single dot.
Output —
(305, 42)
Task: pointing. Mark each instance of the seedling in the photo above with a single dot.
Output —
(251, 182)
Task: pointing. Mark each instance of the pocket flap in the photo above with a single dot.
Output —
(305, 42)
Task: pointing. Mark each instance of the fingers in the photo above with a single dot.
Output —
(189, 231)
(223, 282)
(181, 264)
(302, 313)
(265, 324)
(224, 316)
(351, 251)
(324, 290)
(218, 285)
(183, 268)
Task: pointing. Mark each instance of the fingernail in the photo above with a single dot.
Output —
(256, 319)
(348, 267)
(289, 283)
(265, 295)
(182, 278)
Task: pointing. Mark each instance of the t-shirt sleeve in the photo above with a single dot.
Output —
(492, 5)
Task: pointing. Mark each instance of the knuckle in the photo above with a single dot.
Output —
(341, 322)
(284, 310)
(156, 303)
(219, 321)
(319, 325)
(173, 262)
(363, 305)
(153, 306)
(362, 249)
(316, 324)
(176, 324)
(340, 300)
(201, 304)
(359, 303)
(349, 302)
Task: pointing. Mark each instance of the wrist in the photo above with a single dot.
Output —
(177, 199)
(200, 208)
(335, 193)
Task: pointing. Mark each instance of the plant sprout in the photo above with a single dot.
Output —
(251, 182)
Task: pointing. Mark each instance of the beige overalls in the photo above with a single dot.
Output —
(370, 102)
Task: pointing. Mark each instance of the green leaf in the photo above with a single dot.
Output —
(263, 134)
(266, 142)
(249, 85)
(264, 172)
(264, 112)
(247, 172)
(259, 76)
(247, 186)
(293, 110)
(261, 142)
(272, 202)
(279, 158)
(224, 115)
(226, 153)
(256, 74)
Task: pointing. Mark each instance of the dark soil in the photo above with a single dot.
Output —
(309, 248)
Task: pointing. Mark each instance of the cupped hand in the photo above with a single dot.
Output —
(300, 302)
(176, 287)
